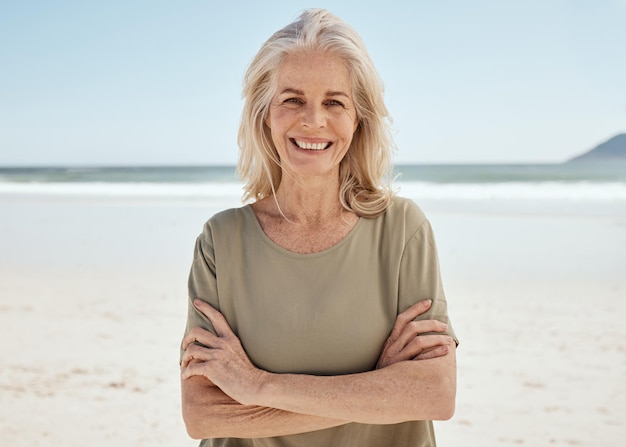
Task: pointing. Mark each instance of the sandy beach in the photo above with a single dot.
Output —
(93, 302)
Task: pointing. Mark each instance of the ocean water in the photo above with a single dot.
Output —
(603, 183)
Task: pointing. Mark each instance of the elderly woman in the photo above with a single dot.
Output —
(317, 315)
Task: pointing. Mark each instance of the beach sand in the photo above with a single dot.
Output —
(93, 303)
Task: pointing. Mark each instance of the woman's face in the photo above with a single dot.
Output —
(312, 116)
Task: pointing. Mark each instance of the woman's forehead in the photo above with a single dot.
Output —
(303, 71)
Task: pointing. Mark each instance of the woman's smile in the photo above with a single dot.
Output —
(311, 146)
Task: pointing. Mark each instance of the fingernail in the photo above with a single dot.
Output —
(196, 303)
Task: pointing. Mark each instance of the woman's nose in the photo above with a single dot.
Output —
(314, 117)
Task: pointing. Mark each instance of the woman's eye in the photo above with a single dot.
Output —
(293, 101)
(334, 102)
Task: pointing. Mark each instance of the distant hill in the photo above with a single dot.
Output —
(613, 149)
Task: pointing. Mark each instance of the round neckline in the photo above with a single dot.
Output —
(293, 254)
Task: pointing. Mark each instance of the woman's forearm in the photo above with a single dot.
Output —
(215, 367)
(209, 413)
(286, 404)
(409, 390)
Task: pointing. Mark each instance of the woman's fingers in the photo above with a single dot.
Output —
(217, 319)
(415, 328)
(412, 339)
(192, 369)
(438, 351)
(425, 344)
(407, 316)
(420, 348)
(201, 336)
(195, 353)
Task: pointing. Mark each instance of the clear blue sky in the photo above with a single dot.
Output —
(159, 82)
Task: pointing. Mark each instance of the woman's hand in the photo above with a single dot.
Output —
(405, 342)
(221, 359)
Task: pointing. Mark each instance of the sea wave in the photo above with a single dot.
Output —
(124, 190)
(568, 191)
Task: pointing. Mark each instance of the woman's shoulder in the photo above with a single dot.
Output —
(231, 219)
(406, 212)
(405, 221)
(230, 215)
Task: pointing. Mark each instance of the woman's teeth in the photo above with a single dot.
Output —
(311, 146)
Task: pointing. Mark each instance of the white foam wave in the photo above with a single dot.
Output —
(126, 190)
(569, 191)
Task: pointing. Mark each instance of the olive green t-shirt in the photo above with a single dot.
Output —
(325, 313)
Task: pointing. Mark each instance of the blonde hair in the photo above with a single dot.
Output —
(365, 171)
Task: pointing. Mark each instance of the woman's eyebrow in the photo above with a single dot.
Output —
(295, 91)
(338, 94)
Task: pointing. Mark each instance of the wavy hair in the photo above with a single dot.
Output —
(365, 171)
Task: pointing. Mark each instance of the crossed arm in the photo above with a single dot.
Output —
(225, 395)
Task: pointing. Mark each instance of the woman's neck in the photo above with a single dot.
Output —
(305, 218)
(309, 200)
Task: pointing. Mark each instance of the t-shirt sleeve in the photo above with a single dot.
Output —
(420, 277)
(202, 282)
